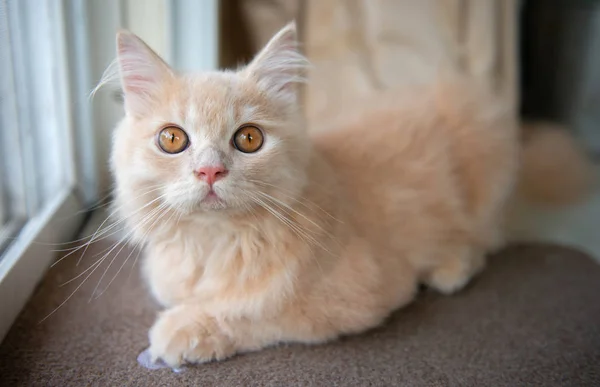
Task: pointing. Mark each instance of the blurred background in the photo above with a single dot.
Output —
(544, 56)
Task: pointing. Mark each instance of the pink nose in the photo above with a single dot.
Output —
(211, 174)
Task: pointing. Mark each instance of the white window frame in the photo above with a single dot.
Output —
(84, 31)
(42, 105)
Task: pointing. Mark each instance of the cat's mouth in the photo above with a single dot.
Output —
(212, 201)
(212, 195)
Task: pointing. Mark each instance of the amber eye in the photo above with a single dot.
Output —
(248, 139)
(172, 140)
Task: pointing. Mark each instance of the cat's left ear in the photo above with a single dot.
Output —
(280, 65)
(143, 73)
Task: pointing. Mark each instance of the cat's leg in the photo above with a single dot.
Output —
(455, 268)
(191, 333)
(187, 334)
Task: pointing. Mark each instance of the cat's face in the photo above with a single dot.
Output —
(213, 142)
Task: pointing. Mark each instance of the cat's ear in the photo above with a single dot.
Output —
(143, 73)
(280, 65)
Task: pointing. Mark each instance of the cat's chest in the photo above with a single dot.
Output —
(172, 272)
(210, 272)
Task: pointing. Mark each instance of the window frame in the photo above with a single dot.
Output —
(40, 61)
(85, 33)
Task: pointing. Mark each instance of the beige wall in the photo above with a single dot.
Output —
(361, 46)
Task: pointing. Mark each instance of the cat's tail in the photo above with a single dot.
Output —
(555, 176)
(555, 170)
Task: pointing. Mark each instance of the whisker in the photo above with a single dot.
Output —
(100, 260)
(70, 296)
(159, 216)
(282, 190)
(121, 242)
(97, 262)
(86, 210)
(139, 246)
(93, 267)
(291, 209)
(297, 226)
(286, 221)
(306, 240)
(93, 239)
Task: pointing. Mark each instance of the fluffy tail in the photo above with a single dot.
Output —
(555, 170)
(555, 175)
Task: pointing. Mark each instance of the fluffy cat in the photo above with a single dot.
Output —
(257, 231)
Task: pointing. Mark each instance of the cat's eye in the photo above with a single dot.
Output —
(248, 139)
(173, 139)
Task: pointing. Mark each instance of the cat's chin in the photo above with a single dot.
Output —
(219, 208)
(212, 202)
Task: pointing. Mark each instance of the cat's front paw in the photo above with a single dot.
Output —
(183, 335)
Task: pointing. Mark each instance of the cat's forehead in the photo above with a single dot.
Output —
(216, 102)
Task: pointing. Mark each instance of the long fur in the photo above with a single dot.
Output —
(555, 170)
(318, 234)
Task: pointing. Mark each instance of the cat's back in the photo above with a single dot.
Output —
(382, 128)
(416, 127)
(418, 119)
(420, 149)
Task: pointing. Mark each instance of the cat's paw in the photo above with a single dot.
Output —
(455, 271)
(182, 335)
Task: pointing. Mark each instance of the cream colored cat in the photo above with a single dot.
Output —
(259, 232)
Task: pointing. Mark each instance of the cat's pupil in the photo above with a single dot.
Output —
(172, 137)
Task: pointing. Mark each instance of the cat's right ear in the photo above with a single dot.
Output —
(279, 66)
(143, 73)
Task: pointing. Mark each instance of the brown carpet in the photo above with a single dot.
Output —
(533, 318)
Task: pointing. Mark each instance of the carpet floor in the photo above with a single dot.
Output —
(532, 318)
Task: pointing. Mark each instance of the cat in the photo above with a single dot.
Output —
(258, 231)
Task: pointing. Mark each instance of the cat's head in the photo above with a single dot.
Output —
(216, 142)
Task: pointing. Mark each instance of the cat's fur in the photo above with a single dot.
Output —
(318, 234)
